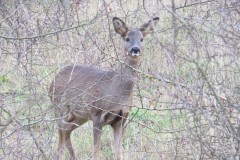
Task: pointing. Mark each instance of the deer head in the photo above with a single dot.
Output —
(133, 37)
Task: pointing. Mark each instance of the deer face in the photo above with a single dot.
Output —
(134, 37)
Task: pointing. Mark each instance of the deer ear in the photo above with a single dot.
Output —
(149, 26)
(120, 27)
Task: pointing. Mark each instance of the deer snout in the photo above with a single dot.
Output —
(135, 50)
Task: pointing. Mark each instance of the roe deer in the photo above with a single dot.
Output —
(80, 93)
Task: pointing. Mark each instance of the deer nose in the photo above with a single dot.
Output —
(135, 50)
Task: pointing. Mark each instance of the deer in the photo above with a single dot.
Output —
(80, 93)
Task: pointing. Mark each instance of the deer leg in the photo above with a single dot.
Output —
(97, 131)
(60, 145)
(68, 144)
(65, 141)
(118, 132)
(65, 130)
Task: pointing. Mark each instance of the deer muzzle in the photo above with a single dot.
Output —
(135, 51)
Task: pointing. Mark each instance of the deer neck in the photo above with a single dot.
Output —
(128, 68)
(123, 81)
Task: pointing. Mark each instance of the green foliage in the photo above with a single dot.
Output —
(4, 79)
(166, 120)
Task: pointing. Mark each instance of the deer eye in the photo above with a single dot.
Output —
(141, 39)
(127, 39)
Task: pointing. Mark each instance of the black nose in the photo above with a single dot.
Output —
(135, 50)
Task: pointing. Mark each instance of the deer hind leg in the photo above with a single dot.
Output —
(69, 121)
(65, 127)
(65, 141)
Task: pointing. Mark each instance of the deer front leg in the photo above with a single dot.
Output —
(118, 132)
(97, 131)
